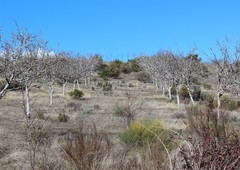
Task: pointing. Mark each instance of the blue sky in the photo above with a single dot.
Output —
(124, 28)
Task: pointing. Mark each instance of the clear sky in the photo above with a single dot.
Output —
(124, 28)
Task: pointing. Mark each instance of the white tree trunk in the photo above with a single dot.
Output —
(219, 94)
(177, 95)
(85, 81)
(89, 80)
(27, 101)
(51, 91)
(169, 93)
(64, 88)
(78, 85)
(74, 85)
(190, 95)
(4, 90)
(163, 91)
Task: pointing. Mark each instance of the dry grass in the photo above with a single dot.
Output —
(13, 146)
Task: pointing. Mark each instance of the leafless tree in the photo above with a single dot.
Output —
(50, 75)
(22, 60)
(63, 68)
(224, 70)
(190, 70)
(8, 70)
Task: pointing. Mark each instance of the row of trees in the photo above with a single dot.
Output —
(25, 59)
(169, 70)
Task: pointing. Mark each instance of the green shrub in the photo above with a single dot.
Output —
(110, 71)
(193, 109)
(126, 68)
(40, 114)
(107, 86)
(63, 118)
(183, 92)
(227, 103)
(141, 133)
(143, 77)
(130, 85)
(97, 107)
(206, 97)
(118, 110)
(196, 93)
(134, 65)
(76, 94)
(39, 135)
(206, 86)
(99, 84)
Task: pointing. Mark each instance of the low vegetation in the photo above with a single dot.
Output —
(86, 150)
(76, 94)
(143, 133)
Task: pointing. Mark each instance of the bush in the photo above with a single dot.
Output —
(76, 94)
(126, 68)
(86, 150)
(196, 93)
(99, 84)
(40, 114)
(111, 71)
(205, 96)
(183, 92)
(134, 65)
(227, 103)
(96, 107)
(130, 107)
(130, 85)
(141, 133)
(143, 77)
(207, 86)
(73, 107)
(63, 118)
(107, 86)
(211, 141)
(39, 135)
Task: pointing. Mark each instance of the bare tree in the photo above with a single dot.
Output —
(224, 71)
(8, 70)
(22, 60)
(63, 72)
(190, 70)
(50, 75)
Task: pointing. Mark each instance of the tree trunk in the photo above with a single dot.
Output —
(30, 146)
(64, 88)
(170, 93)
(78, 85)
(89, 80)
(74, 85)
(85, 81)
(163, 91)
(177, 95)
(51, 91)
(190, 95)
(4, 90)
(219, 94)
(26, 101)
